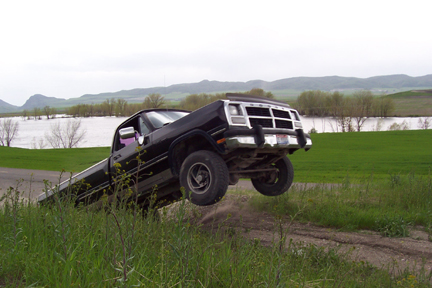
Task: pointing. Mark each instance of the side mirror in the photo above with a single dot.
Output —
(141, 140)
(127, 132)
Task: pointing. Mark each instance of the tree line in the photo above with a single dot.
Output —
(350, 112)
(195, 101)
(121, 108)
(37, 113)
(116, 107)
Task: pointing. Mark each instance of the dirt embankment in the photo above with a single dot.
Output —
(395, 254)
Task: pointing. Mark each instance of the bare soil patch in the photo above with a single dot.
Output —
(394, 254)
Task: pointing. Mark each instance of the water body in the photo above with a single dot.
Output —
(100, 130)
(327, 124)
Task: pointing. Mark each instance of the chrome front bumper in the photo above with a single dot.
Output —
(270, 141)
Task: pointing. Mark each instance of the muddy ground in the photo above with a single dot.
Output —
(393, 254)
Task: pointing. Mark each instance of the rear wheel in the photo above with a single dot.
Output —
(205, 177)
(277, 182)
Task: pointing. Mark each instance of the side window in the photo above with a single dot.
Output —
(143, 128)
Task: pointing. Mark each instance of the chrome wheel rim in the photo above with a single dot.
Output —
(199, 178)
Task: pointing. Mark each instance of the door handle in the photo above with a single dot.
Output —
(117, 157)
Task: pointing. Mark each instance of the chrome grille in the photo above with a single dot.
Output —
(281, 114)
(276, 118)
(264, 122)
(257, 111)
(284, 124)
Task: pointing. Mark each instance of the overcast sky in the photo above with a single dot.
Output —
(66, 49)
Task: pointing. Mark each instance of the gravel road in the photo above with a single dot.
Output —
(31, 182)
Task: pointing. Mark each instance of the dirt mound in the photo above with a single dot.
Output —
(391, 253)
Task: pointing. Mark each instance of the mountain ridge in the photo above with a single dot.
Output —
(326, 83)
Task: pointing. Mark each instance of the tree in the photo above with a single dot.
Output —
(37, 113)
(65, 136)
(344, 116)
(363, 101)
(401, 126)
(260, 92)
(120, 107)
(49, 112)
(195, 101)
(335, 103)
(388, 106)
(424, 123)
(383, 106)
(108, 107)
(26, 114)
(154, 100)
(8, 131)
(313, 103)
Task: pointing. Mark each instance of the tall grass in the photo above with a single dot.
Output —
(61, 245)
(389, 206)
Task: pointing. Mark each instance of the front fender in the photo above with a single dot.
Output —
(176, 156)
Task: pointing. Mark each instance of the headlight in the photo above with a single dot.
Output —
(234, 110)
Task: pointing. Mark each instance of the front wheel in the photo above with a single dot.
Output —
(276, 183)
(205, 177)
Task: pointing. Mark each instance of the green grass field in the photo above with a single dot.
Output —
(333, 156)
(70, 160)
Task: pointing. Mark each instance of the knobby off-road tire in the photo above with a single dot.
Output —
(205, 177)
(275, 184)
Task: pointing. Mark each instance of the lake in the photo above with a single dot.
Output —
(100, 130)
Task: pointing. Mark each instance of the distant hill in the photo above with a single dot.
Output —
(39, 101)
(6, 107)
(278, 87)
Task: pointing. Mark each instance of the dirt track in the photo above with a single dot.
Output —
(395, 254)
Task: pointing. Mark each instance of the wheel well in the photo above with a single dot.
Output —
(186, 147)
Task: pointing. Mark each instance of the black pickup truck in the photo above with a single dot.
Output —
(203, 151)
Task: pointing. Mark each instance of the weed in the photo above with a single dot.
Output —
(395, 180)
(12, 204)
(393, 226)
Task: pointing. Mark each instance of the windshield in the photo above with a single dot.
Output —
(161, 118)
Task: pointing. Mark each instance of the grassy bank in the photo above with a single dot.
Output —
(76, 159)
(64, 246)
